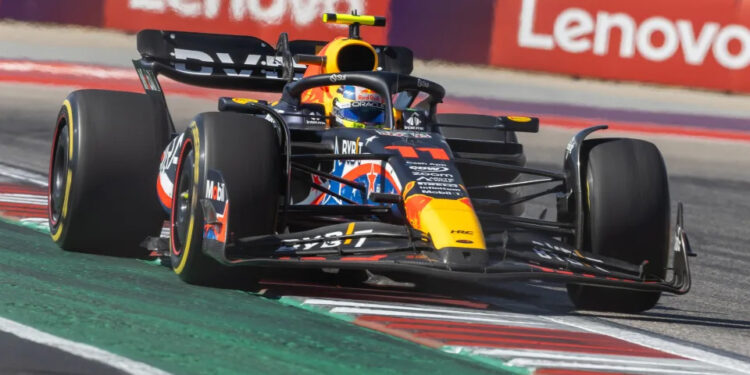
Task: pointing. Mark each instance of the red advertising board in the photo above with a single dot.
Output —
(701, 43)
(265, 19)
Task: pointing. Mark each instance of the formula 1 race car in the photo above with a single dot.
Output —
(295, 183)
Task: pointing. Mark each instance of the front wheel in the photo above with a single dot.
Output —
(230, 164)
(626, 217)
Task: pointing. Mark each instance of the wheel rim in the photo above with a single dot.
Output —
(183, 199)
(58, 181)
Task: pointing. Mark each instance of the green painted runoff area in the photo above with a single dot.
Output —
(144, 312)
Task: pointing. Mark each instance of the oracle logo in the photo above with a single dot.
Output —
(303, 12)
(576, 30)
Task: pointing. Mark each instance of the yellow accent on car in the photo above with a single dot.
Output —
(451, 223)
(244, 100)
(519, 118)
(409, 186)
(349, 230)
(348, 19)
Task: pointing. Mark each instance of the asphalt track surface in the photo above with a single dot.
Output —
(23, 357)
(711, 176)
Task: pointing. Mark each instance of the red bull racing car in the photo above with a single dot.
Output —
(354, 167)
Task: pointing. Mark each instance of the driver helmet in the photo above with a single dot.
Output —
(358, 107)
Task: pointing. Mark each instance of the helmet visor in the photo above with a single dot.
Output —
(368, 112)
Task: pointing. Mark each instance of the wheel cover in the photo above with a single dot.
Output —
(181, 209)
(58, 179)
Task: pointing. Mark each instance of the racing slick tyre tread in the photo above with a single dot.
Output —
(627, 217)
(103, 170)
(245, 150)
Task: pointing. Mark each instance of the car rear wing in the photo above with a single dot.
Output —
(237, 61)
(233, 62)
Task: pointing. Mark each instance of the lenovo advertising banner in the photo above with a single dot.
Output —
(703, 43)
(265, 19)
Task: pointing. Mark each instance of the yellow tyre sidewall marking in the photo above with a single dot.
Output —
(69, 178)
(194, 200)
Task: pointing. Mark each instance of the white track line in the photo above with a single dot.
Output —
(631, 369)
(35, 220)
(79, 350)
(31, 199)
(410, 307)
(23, 175)
(582, 357)
(543, 358)
(445, 317)
(734, 365)
(347, 307)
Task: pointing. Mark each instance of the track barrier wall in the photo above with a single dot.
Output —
(696, 43)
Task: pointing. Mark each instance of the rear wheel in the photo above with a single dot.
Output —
(627, 217)
(243, 150)
(102, 173)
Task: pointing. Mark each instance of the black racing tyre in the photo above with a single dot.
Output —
(103, 169)
(244, 149)
(627, 217)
